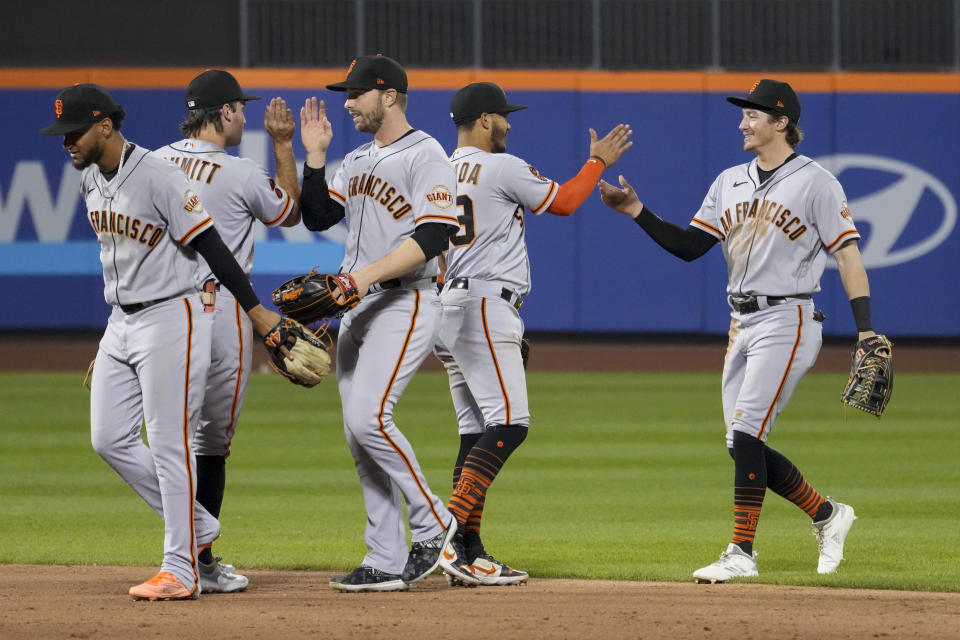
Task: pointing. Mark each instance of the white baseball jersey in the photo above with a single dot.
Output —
(243, 193)
(144, 218)
(493, 189)
(776, 235)
(387, 191)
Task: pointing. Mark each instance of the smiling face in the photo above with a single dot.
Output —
(86, 145)
(366, 107)
(761, 130)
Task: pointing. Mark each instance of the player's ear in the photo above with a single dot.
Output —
(105, 127)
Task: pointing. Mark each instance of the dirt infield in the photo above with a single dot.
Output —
(91, 602)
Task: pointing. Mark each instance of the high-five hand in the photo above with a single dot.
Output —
(623, 200)
(610, 147)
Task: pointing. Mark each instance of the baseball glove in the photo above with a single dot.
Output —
(871, 375)
(307, 357)
(315, 296)
(524, 351)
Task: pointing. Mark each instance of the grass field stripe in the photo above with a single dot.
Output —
(191, 491)
(786, 373)
(493, 355)
(386, 395)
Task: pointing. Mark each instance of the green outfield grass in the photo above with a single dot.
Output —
(623, 476)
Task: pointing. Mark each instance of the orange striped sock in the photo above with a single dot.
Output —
(749, 487)
(786, 480)
(747, 502)
(479, 468)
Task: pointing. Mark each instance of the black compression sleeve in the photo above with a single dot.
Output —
(688, 244)
(319, 210)
(225, 267)
(861, 313)
(433, 237)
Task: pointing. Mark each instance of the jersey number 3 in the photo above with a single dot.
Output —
(467, 232)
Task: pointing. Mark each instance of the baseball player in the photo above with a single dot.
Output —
(396, 194)
(777, 218)
(237, 194)
(487, 279)
(153, 359)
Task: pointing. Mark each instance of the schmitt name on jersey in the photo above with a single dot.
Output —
(196, 169)
(774, 213)
(380, 191)
(128, 226)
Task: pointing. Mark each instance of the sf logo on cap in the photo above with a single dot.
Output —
(754, 87)
(58, 107)
(352, 65)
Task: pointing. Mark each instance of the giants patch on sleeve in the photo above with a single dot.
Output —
(536, 174)
(845, 210)
(440, 197)
(191, 202)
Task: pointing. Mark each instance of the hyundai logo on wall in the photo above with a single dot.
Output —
(890, 210)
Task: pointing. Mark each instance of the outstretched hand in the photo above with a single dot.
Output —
(315, 130)
(610, 147)
(622, 200)
(278, 121)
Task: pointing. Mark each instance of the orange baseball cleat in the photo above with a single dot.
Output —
(164, 586)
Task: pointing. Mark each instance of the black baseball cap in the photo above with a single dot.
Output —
(78, 107)
(213, 88)
(477, 98)
(773, 97)
(373, 72)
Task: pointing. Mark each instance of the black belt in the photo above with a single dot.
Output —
(395, 283)
(751, 304)
(140, 306)
(512, 297)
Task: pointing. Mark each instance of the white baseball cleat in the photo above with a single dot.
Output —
(733, 563)
(220, 578)
(492, 572)
(831, 534)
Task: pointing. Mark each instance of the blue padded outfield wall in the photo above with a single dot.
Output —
(896, 155)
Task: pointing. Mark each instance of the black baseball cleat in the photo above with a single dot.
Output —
(425, 555)
(365, 579)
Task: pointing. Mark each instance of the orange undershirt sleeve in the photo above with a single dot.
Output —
(574, 191)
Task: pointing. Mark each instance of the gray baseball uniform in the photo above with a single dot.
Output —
(488, 275)
(386, 192)
(776, 237)
(237, 193)
(153, 358)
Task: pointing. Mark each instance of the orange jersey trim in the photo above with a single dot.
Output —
(200, 225)
(191, 490)
(55, 78)
(283, 214)
(447, 219)
(338, 196)
(713, 230)
(236, 387)
(845, 235)
(786, 373)
(383, 402)
(543, 203)
(493, 355)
